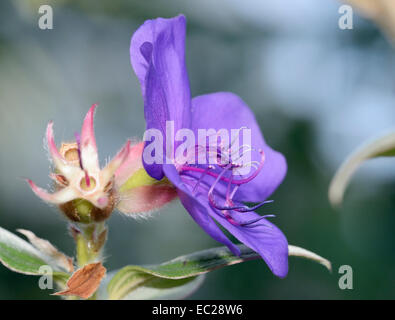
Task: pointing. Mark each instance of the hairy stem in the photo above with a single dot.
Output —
(90, 240)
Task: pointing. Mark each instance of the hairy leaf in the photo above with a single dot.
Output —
(20, 256)
(136, 282)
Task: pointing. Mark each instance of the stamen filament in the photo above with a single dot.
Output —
(216, 175)
(78, 140)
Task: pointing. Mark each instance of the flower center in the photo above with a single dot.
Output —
(224, 171)
(69, 151)
(71, 155)
(88, 183)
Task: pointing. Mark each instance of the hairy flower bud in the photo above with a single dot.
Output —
(86, 193)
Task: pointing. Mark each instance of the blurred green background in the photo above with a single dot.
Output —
(317, 92)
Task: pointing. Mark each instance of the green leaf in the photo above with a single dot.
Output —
(20, 256)
(131, 284)
(137, 281)
(166, 289)
(381, 147)
(294, 251)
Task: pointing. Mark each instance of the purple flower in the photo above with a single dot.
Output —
(210, 193)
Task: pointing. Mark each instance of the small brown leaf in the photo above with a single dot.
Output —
(46, 247)
(85, 281)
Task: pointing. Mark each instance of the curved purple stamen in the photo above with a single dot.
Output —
(220, 154)
(242, 208)
(229, 205)
(230, 181)
(209, 149)
(249, 223)
(234, 181)
(229, 196)
(200, 179)
(210, 192)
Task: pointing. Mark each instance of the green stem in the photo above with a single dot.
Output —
(90, 240)
(84, 256)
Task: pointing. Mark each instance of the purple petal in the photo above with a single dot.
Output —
(226, 110)
(157, 53)
(261, 236)
(197, 210)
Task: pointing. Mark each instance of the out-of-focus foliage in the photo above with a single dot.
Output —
(381, 147)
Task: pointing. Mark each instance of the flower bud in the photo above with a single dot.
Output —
(85, 193)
